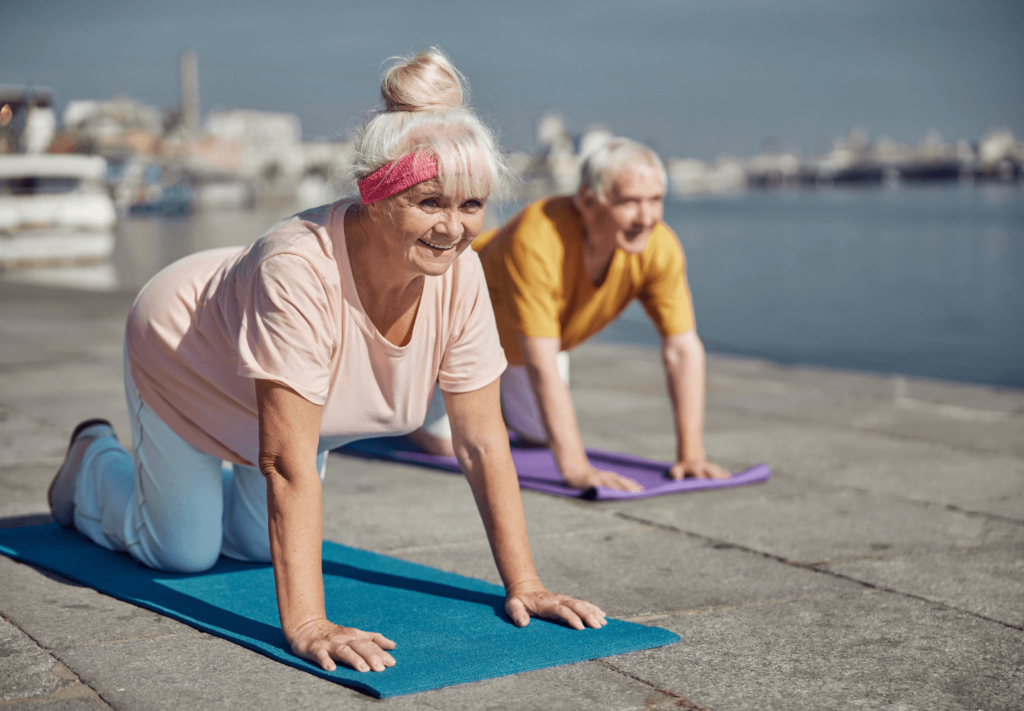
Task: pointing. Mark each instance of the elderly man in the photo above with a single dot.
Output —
(563, 269)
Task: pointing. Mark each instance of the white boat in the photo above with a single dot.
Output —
(54, 210)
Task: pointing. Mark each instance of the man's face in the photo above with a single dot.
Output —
(632, 205)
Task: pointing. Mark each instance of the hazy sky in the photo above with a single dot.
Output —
(690, 77)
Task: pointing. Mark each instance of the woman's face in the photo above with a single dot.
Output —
(430, 229)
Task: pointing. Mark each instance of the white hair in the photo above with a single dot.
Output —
(608, 158)
(424, 110)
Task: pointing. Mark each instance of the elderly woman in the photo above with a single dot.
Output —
(333, 326)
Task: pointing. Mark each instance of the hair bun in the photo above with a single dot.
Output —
(427, 82)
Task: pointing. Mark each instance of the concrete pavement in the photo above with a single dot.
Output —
(881, 567)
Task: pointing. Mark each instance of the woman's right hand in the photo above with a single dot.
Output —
(324, 642)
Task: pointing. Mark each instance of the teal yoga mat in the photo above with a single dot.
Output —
(449, 629)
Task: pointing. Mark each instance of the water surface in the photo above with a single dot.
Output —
(924, 281)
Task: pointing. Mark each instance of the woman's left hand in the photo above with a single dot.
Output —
(531, 599)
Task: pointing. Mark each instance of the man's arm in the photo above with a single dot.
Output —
(560, 418)
(683, 355)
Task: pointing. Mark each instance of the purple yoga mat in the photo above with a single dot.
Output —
(537, 470)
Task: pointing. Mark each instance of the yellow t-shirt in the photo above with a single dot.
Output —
(539, 287)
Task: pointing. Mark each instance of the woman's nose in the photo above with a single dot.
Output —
(451, 225)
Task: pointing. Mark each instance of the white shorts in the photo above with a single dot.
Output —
(518, 404)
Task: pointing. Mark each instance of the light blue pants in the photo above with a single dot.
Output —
(171, 506)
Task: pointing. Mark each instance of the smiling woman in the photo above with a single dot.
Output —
(332, 327)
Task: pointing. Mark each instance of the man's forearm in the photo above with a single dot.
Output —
(559, 416)
(683, 356)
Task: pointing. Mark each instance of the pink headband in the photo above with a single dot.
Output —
(397, 176)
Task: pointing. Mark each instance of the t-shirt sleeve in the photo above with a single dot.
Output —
(535, 284)
(666, 292)
(473, 356)
(288, 331)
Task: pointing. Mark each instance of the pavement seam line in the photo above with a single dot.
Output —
(816, 569)
(680, 700)
(59, 670)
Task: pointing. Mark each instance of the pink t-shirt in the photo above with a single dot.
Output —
(286, 309)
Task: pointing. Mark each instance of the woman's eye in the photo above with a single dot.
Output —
(472, 204)
(429, 202)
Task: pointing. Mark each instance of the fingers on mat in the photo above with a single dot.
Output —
(376, 657)
(517, 611)
(565, 613)
(382, 641)
(323, 658)
(345, 653)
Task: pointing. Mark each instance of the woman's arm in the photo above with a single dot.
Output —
(481, 445)
(289, 433)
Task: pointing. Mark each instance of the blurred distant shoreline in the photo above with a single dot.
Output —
(175, 161)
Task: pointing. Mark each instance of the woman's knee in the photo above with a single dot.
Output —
(186, 551)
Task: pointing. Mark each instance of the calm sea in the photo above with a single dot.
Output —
(924, 281)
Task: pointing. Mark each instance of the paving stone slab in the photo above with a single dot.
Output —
(24, 486)
(987, 582)
(674, 572)
(988, 483)
(821, 525)
(24, 438)
(839, 651)
(384, 506)
(953, 425)
(25, 669)
(207, 672)
(637, 370)
(59, 613)
(64, 395)
(91, 325)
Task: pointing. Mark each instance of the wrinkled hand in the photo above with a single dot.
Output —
(533, 600)
(589, 477)
(324, 642)
(698, 469)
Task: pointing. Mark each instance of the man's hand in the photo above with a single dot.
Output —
(324, 643)
(585, 478)
(531, 599)
(698, 469)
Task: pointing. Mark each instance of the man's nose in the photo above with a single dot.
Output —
(648, 213)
